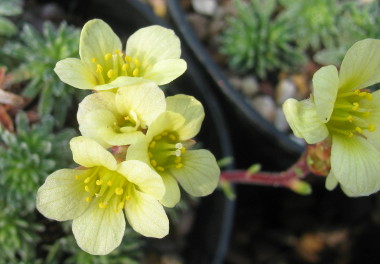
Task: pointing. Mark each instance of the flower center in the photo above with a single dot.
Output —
(350, 115)
(114, 65)
(165, 151)
(128, 123)
(106, 188)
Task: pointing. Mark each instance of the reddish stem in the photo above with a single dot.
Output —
(298, 170)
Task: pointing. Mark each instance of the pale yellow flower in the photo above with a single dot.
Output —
(342, 108)
(152, 53)
(95, 195)
(166, 148)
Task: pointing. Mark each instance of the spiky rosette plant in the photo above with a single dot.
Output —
(314, 21)
(28, 156)
(38, 53)
(9, 8)
(18, 236)
(257, 40)
(358, 20)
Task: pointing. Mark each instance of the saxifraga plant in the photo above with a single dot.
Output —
(37, 54)
(28, 156)
(259, 40)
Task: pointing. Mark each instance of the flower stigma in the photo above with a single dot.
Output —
(165, 151)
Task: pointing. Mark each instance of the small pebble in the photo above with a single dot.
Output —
(205, 7)
(249, 86)
(285, 89)
(265, 105)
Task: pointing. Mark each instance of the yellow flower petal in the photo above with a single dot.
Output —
(325, 84)
(355, 164)
(147, 100)
(143, 176)
(99, 231)
(73, 72)
(163, 72)
(96, 40)
(59, 197)
(172, 194)
(199, 175)
(89, 153)
(361, 65)
(146, 215)
(304, 121)
(191, 109)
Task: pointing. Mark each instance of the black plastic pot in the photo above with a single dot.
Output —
(255, 139)
(208, 240)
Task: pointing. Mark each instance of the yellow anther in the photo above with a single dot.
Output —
(177, 159)
(77, 177)
(135, 72)
(110, 73)
(119, 191)
(179, 165)
(126, 118)
(164, 133)
(150, 155)
(87, 180)
(88, 199)
(359, 130)
(107, 56)
(93, 60)
(172, 137)
(357, 92)
(117, 51)
(362, 94)
(109, 183)
(99, 68)
(183, 150)
(153, 162)
(99, 182)
(369, 96)
(350, 118)
(371, 128)
(137, 62)
(128, 59)
(355, 106)
(86, 188)
(159, 168)
(152, 144)
(127, 197)
(350, 134)
(102, 205)
(158, 137)
(125, 67)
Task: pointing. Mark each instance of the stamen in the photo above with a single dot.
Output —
(135, 72)
(86, 188)
(93, 60)
(107, 56)
(371, 128)
(88, 199)
(109, 183)
(99, 182)
(110, 73)
(355, 106)
(125, 67)
(119, 191)
(153, 162)
(87, 180)
(350, 118)
(179, 165)
(359, 130)
(152, 144)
